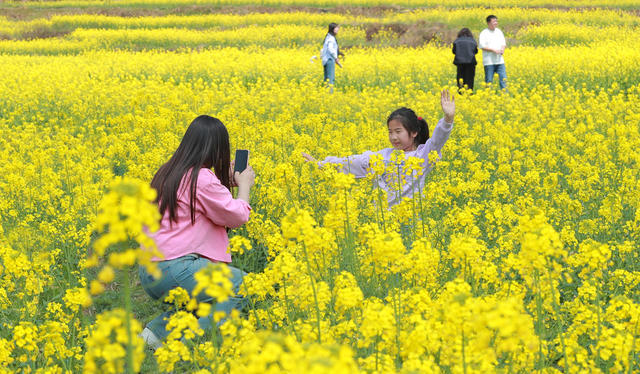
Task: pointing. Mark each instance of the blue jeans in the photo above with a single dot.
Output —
(489, 70)
(179, 273)
(330, 71)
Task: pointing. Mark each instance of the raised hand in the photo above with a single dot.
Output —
(448, 104)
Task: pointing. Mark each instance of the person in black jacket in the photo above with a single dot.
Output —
(465, 49)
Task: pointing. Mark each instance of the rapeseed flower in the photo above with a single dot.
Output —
(518, 253)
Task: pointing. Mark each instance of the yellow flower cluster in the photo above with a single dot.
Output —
(113, 334)
(567, 33)
(519, 253)
(81, 33)
(210, 21)
(455, 17)
(124, 213)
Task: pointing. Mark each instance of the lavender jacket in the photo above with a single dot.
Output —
(358, 165)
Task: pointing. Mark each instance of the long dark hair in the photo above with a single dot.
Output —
(332, 31)
(205, 144)
(412, 123)
(332, 28)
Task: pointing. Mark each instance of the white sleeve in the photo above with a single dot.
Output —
(482, 40)
(436, 141)
(358, 165)
(332, 46)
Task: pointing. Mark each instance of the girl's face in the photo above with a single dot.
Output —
(400, 138)
(335, 31)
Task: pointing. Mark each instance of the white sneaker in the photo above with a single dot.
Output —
(151, 339)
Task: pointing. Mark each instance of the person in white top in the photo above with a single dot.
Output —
(493, 44)
(330, 53)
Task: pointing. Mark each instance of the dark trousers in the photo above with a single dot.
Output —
(466, 73)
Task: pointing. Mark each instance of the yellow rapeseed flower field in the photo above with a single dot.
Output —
(519, 254)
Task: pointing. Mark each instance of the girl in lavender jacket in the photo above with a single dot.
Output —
(408, 133)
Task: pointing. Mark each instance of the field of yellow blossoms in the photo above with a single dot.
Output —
(520, 254)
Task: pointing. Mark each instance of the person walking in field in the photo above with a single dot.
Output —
(465, 49)
(330, 54)
(197, 207)
(408, 133)
(493, 44)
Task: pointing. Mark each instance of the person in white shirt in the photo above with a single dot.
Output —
(493, 44)
(330, 53)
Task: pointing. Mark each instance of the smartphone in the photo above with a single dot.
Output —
(242, 157)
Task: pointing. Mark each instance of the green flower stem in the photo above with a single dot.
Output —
(127, 308)
(558, 312)
(315, 294)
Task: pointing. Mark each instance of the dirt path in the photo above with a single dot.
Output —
(26, 13)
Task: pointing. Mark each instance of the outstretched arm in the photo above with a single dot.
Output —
(358, 165)
(307, 157)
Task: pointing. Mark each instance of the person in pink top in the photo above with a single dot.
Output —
(408, 133)
(197, 208)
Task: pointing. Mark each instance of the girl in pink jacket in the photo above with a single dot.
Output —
(197, 207)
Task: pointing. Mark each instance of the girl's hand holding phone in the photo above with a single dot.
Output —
(246, 179)
(231, 176)
(239, 164)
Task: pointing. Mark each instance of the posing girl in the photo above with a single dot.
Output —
(408, 133)
(196, 206)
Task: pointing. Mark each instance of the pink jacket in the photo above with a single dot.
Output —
(216, 209)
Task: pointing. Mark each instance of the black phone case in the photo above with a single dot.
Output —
(242, 156)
